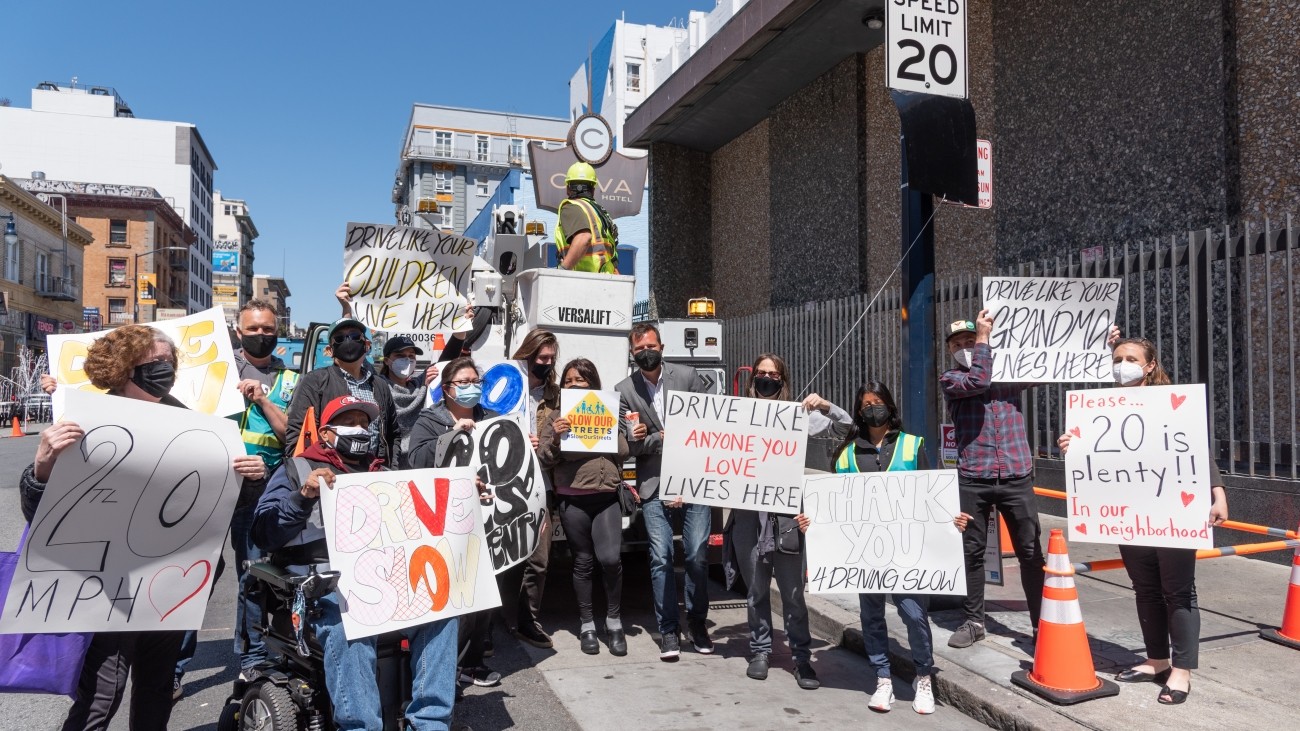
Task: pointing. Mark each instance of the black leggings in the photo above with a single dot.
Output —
(148, 658)
(1164, 586)
(593, 525)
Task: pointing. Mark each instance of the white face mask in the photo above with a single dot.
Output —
(1128, 373)
(963, 357)
(402, 367)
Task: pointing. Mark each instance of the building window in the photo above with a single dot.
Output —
(117, 314)
(481, 148)
(516, 152)
(13, 252)
(117, 272)
(43, 283)
(442, 181)
(634, 77)
(448, 219)
(442, 144)
(116, 231)
(481, 185)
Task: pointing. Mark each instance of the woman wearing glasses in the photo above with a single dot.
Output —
(766, 544)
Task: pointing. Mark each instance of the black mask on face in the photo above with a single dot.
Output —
(155, 379)
(874, 415)
(766, 387)
(349, 351)
(542, 371)
(351, 447)
(258, 346)
(648, 359)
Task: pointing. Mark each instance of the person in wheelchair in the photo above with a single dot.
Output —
(287, 524)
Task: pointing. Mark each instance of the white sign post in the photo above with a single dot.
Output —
(409, 547)
(734, 452)
(1051, 330)
(1138, 469)
(925, 42)
(884, 532)
(593, 420)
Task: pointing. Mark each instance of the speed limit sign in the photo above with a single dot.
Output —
(926, 46)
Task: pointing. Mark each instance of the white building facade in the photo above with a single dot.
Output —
(88, 133)
(232, 255)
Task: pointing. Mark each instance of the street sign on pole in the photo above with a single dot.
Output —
(925, 47)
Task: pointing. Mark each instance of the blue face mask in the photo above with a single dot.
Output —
(468, 396)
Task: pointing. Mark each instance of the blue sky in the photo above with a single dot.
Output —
(304, 104)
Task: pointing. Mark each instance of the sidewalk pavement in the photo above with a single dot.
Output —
(1243, 681)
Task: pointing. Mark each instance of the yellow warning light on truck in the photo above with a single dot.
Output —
(700, 307)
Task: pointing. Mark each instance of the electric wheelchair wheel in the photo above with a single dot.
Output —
(229, 718)
(268, 707)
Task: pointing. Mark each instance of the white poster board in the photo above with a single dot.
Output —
(128, 532)
(593, 420)
(409, 548)
(1137, 472)
(499, 453)
(206, 378)
(733, 452)
(884, 532)
(408, 280)
(1051, 330)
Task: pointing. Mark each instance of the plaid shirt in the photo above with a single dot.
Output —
(991, 441)
(364, 389)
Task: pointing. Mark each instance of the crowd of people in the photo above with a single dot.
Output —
(362, 417)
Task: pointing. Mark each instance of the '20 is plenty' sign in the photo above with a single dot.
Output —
(925, 43)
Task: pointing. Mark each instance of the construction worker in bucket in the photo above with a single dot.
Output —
(586, 239)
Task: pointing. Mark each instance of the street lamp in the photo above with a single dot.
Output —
(11, 233)
(135, 283)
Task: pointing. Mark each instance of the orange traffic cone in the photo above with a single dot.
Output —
(1063, 672)
(1289, 634)
(17, 431)
(1008, 549)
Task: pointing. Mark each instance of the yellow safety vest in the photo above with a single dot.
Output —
(906, 449)
(602, 255)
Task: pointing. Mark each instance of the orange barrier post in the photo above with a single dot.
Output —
(1289, 633)
(1008, 549)
(17, 431)
(1063, 671)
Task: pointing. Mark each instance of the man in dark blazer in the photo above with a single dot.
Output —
(643, 394)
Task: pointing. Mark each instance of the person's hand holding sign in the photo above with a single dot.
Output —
(311, 488)
(252, 391)
(48, 384)
(561, 428)
(249, 467)
(1219, 509)
(815, 402)
(54, 440)
(344, 295)
(983, 327)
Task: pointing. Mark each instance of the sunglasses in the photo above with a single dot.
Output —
(347, 338)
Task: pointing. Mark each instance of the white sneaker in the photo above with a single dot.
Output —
(883, 698)
(923, 701)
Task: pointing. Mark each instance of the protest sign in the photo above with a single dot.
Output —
(505, 387)
(206, 377)
(500, 454)
(408, 280)
(1137, 471)
(593, 420)
(1051, 330)
(409, 548)
(733, 452)
(129, 530)
(884, 532)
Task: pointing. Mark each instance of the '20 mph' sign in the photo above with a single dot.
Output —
(926, 42)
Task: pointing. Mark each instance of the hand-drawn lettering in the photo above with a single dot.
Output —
(1051, 329)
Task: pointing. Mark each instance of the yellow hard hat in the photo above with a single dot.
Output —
(580, 172)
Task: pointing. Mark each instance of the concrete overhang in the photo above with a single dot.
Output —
(766, 52)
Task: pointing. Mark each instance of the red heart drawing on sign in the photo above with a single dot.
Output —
(1075, 431)
(168, 595)
(1188, 498)
(1176, 400)
(1081, 529)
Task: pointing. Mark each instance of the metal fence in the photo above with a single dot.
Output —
(1220, 305)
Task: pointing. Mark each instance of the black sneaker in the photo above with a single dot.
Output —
(700, 638)
(489, 649)
(178, 690)
(806, 676)
(967, 634)
(670, 647)
(482, 676)
(533, 635)
(757, 667)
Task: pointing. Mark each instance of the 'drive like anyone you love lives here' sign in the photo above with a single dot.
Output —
(1051, 330)
(129, 530)
(1137, 471)
(884, 532)
(406, 280)
(734, 452)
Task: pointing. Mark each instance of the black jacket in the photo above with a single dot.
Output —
(321, 386)
(434, 422)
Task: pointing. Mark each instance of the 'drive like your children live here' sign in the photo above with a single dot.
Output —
(408, 280)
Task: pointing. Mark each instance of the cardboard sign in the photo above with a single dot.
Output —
(1051, 330)
(206, 378)
(734, 452)
(129, 530)
(884, 532)
(499, 453)
(1137, 471)
(593, 420)
(409, 548)
(408, 280)
(505, 387)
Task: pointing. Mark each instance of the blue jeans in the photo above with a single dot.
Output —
(663, 580)
(350, 675)
(913, 608)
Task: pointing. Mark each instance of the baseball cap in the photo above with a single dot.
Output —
(344, 404)
(959, 327)
(347, 322)
(401, 342)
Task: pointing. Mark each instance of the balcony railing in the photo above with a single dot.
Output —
(56, 288)
(119, 318)
(438, 152)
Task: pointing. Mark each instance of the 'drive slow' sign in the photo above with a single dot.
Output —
(925, 43)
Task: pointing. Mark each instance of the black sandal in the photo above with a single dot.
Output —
(1137, 676)
(1175, 696)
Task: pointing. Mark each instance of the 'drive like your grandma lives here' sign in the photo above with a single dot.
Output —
(1051, 329)
(734, 452)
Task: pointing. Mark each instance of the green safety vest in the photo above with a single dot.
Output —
(602, 255)
(906, 450)
(256, 432)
